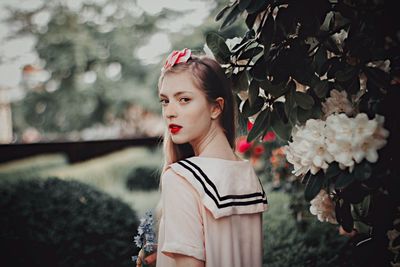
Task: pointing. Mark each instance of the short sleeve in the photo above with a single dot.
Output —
(183, 223)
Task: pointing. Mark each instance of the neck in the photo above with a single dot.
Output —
(214, 144)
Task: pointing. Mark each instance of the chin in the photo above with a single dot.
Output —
(178, 141)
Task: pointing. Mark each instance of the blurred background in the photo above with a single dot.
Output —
(80, 128)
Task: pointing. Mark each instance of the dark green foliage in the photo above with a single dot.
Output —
(63, 223)
(311, 47)
(304, 243)
(145, 178)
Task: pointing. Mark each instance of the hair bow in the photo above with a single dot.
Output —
(177, 57)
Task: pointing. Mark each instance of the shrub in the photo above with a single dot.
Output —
(143, 177)
(310, 243)
(63, 223)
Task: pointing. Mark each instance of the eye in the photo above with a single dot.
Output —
(163, 102)
(184, 99)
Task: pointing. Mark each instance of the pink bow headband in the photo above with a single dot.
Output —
(177, 57)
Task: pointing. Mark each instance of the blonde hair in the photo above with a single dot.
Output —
(210, 78)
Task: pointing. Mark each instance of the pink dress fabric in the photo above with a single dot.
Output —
(212, 211)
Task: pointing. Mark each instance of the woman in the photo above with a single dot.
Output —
(211, 201)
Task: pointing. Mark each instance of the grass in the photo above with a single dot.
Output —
(29, 166)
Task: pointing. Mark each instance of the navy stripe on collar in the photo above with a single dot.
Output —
(217, 198)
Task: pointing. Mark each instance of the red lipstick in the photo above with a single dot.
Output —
(174, 128)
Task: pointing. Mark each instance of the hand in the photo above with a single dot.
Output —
(147, 260)
(151, 259)
(139, 259)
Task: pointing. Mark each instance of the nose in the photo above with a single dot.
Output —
(170, 111)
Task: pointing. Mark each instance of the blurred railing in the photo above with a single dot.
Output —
(75, 151)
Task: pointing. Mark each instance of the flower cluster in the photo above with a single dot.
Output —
(243, 147)
(255, 149)
(308, 151)
(337, 103)
(146, 238)
(280, 166)
(177, 57)
(323, 207)
(342, 139)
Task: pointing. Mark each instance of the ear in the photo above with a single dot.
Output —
(217, 108)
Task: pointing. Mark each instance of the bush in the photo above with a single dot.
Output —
(146, 178)
(63, 223)
(311, 243)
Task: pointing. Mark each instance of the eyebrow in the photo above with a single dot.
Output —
(177, 93)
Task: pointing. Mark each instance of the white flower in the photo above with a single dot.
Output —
(337, 103)
(374, 139)
(381, 64)
(351, 140)
(339, 37)
(323, 207)
(308, 150)
(347, 141)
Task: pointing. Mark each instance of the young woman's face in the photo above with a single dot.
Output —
(186, 111)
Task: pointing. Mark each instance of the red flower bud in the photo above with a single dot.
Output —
(269, 136)
(249, 126)
(242, 144)
(259, 150)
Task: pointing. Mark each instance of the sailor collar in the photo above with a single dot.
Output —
(226, 187)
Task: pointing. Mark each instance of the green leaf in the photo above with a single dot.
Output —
(344, 180)
(267, 33)
(231, 17)
(343, 215)
(243, 4)
(317, 112)
(303, 114)
(218, 47)
(320, 58)
(250, 53)
(377, 76)
(345, 74)
(248, 110)
(250, 19)
(289, 99)
(281, 129)
(255, 6)
(331, 45)
(304, 100)
(333, 170)
(361, 209)
(254, 90)
(314, 185)
(222, 13)
(240, 81)
(363, 171)
(259, 70)
(276, 90)
(321, 88)
(260, 125)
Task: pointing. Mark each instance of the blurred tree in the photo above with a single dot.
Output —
(89, 54)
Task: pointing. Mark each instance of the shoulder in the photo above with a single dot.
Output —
(172, 180)
(170, 177)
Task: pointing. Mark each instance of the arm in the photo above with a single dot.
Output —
(184, 261)
(183, 225)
